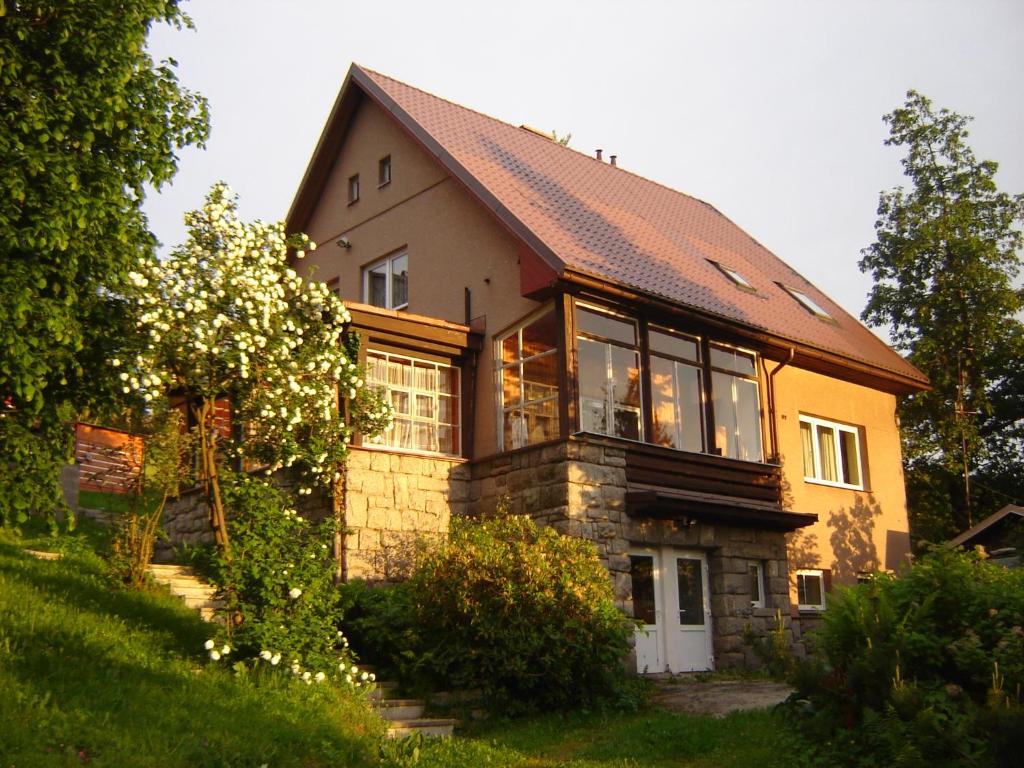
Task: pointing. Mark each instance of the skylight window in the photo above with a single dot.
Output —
(807, 302)
(735, 277)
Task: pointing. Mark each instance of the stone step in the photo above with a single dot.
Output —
(437, 727)
(402, 710)
(43, 555)
(184, 584)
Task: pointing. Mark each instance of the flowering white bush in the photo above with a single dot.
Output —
(227, 317)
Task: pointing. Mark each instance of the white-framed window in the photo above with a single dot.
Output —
(386, 282)
(810, 590)
(527, 368)
(831, 453)
(353, 188)
(608, 356)
(677, 390)
(736, 403)
(384, 171)
(425, 397)
(755, 570)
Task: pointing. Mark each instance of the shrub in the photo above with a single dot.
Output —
(928, 667)
(521, 612)
(277, 585)
(379, 624)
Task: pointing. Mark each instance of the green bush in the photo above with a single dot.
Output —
(519, 612)
(924, 668)
(379, 624)
(277, 586)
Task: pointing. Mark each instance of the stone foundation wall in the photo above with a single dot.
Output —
(578, 487)
(394, 501)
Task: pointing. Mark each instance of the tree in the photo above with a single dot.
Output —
(87, 123)
(944, 264)
(226, 318)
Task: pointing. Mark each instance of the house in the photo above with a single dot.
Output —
(1000, 534)
(617, 359)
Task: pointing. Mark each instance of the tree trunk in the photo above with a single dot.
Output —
(204, 413)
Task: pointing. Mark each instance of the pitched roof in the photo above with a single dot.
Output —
(586, 217)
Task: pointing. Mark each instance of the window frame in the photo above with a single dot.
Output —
(519, 363)
(389, 282)
(710, 370)
(818, 479)
(456, 406)
(761, 601)
(353, 189)
(819, 574)
(384, 171)
(637, 347)
(807, 302)
(697, 364)
(734, 276)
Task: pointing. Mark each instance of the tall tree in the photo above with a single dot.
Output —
(945, 262)
(88, 122)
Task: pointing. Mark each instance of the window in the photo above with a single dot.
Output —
(353, 188)
(807, 302)
(736, 403)
(739, 280)
(528, 382)
(425, 396)
(810, 590)
(755, 569)
(677, 392)
(831, 453)
(609, 375)
(386, 283)
(384, 171)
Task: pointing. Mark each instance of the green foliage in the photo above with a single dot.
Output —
(166, 468)
(772, 648)
(88, 122)
(280, 598)
(379, 624)
(94, 674)
(520, 612)
(926, 667)
(944, 264)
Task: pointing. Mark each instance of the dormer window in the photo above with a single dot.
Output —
(384, 171)
(735, 277)
(807, 303)
(353, 189)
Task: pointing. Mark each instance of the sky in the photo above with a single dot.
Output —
(771, 111)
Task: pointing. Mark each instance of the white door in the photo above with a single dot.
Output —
(644, 569)
(671, 598)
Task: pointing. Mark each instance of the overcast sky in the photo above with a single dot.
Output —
(770, 111)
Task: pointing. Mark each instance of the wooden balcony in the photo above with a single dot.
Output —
(670, 484)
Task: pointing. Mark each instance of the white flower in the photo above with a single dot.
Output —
(208, 645)
(215, 655)
(306, 676)
(294, 593)
(226, 650)
(275, 659)
(320, 676)
(265, 655)
(115, 362)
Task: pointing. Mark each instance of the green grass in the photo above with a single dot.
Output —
(654, 738)
(92, 673)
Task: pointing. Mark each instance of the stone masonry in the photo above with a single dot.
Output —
(393, 502)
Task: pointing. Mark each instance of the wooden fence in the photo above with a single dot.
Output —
(109, 459)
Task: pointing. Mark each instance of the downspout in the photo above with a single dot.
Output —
(773, 428)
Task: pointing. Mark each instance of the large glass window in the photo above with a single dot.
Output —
(831, 453)
(609, 375)
(528, 382)
(386, 283)
(810, 590)
(677, 394)
(425, 397)
(736, 404)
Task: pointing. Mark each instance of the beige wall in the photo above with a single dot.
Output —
(857, 531)
(453, 243)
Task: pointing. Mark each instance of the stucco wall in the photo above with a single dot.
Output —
(452, 242)
(858, 530)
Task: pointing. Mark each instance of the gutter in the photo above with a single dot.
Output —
(773, 427)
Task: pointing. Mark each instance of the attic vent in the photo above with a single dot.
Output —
(735, 277)
(537, 131)
(807, 303)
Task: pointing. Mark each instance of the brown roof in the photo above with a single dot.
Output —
(585, 216)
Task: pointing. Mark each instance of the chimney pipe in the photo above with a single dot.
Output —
(613, 158)
(598, 153)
